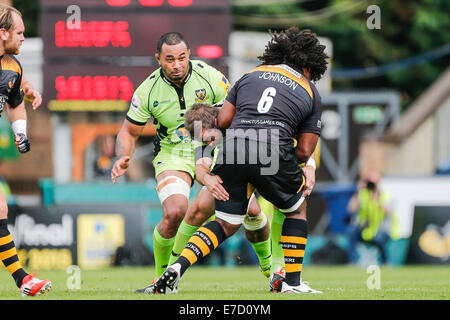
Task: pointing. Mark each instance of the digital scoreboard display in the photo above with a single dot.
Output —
(97, 52)
(91, 87)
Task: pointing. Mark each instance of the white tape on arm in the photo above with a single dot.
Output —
(19, 126)
(311, 162)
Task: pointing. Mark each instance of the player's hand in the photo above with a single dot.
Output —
(310, 177)
(214, 185)
(22, 143)
(34, 96)
(120, 167)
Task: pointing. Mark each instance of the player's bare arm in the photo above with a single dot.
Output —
(16, 113)
(31, 94)
(305, 151)
(212, 182)
(125, 144)
(310, 176)
(306, 145)
(226, 115)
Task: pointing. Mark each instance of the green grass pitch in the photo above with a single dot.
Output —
(246, 283)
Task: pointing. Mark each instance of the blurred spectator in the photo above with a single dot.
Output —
(368, 207)
(104, 161)
(4, 188)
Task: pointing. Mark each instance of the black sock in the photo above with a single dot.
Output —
(202, 242)
(293, 241)
(8, 254)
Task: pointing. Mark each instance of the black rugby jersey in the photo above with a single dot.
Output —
(275, 97)
(10, 81)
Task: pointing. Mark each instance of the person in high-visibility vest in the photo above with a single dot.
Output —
(4, 188)
(369, 207)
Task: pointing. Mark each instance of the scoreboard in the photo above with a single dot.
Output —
(96, 52)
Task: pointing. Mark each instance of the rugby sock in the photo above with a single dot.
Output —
(293, 242)
(162, 248)
(204, 240)
(262, 250)
(256, 229)
(275, 236)
(184, 233)
(8, 254)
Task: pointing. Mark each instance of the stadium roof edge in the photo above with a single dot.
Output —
(424, 106)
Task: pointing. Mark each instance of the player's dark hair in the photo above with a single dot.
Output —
(298, 49)
(200, 113)
(170, 38)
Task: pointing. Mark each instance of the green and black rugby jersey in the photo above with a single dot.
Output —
(10, 80)
(160, 99)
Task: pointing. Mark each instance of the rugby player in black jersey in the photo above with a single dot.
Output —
(263, 112)
(11, 100)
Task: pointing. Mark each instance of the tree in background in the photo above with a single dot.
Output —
(30, 14)
(404, 47)
(410, 32)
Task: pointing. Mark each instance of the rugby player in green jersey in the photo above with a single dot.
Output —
(165, 96)
(266, 109)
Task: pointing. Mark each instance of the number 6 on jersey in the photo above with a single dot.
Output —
(266, 100)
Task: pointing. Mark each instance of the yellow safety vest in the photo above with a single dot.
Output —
(4, 189)
(370, 213)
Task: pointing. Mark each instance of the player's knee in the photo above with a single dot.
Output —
(253, 208)
(255, 223)
(173, 193)
(205, 208)
(228, 228)
(200, 210)
(259, 235)
(194, 215)
(198, 217)
(175, 212)
(256, 227)
(171, 220)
